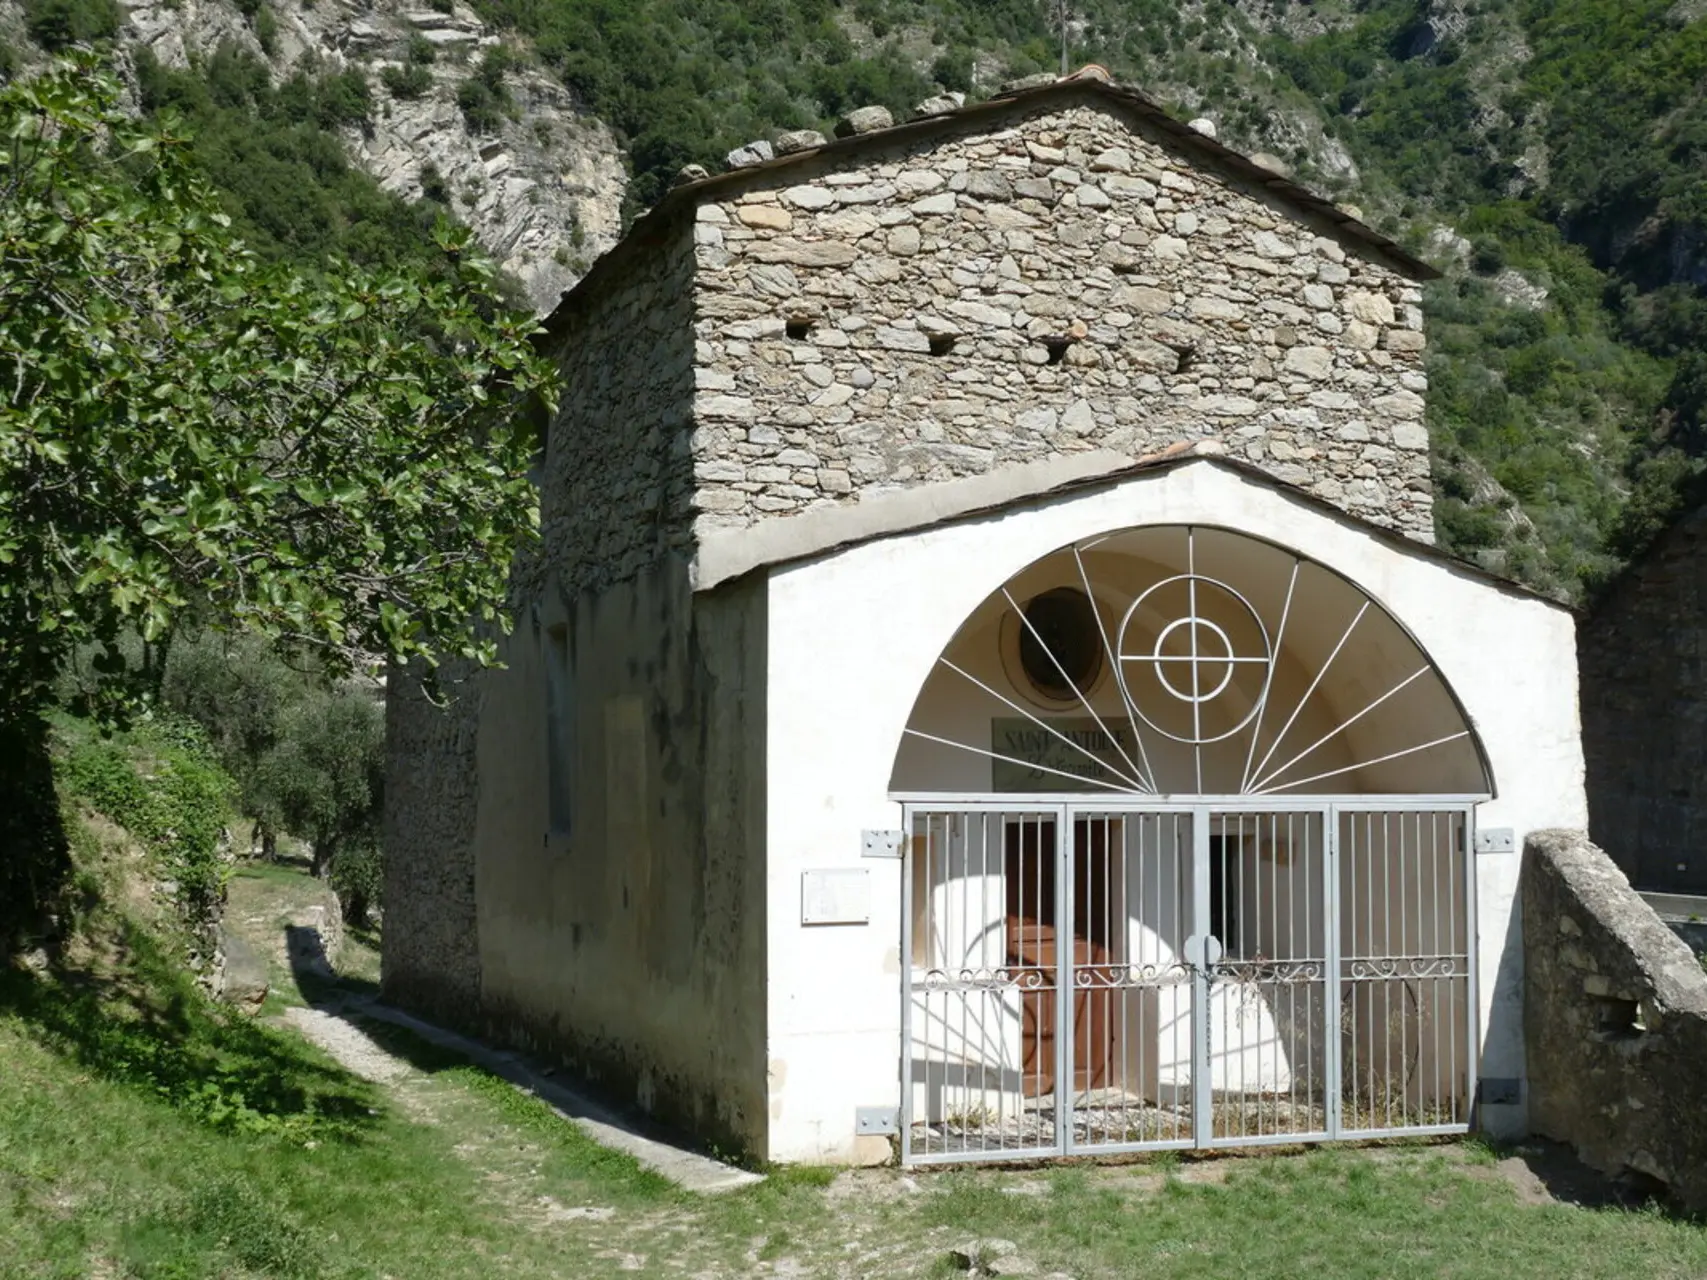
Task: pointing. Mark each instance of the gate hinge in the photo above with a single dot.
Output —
(877, 1120)
(1496, 840)
(880, 844)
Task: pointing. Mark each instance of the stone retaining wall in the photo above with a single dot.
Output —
(1615, 1020)
(1056, 283)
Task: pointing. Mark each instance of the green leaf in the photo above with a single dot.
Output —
(197, 406)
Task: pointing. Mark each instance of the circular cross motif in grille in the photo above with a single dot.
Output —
(1203, 672)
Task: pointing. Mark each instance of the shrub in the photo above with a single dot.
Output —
(58, 24)
(433, 184)
(358, 878)
(407, 82)
(953, 70)
(162, 783)
(344, 98)
(1487, 257)
(484, 98)
(267, 29)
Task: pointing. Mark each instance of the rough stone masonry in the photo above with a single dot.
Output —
(1058, 283)
(1614, 1018)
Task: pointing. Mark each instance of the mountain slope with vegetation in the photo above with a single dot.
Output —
(1547, 153)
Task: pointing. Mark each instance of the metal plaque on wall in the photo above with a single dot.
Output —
(836, 895)
(1074, 754)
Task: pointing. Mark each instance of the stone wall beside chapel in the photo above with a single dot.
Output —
(1055, 282)
(1644, 706)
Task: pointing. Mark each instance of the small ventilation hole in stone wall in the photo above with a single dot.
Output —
(1057, 348)
(1619, 1019)
(799, 329)
(941, 344)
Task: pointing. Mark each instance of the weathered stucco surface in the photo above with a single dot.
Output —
(1059, 284)
(879, 614)
(1644, 696)
(630, 944)
(1615, 1019)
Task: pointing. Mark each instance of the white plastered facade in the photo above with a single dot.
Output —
(853, 635)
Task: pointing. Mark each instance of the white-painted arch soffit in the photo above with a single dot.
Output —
(1177, 660)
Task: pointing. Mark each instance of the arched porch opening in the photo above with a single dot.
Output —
(1185, 661)
(1188, 822)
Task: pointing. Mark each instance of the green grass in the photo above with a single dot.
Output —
(102, 1173)
(110, 1159)
(1329, 1213)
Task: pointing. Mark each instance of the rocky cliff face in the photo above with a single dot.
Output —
(542, 187)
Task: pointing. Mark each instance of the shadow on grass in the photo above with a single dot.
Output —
(35, 853)
(148, 1025)
(1537, 1166)
(366, 934)
(544, 1094)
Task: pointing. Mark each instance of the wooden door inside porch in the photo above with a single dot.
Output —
(1033, 942)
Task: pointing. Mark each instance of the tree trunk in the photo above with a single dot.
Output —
(355, 909)
(264, 843)
(35, 853)
(324, 851)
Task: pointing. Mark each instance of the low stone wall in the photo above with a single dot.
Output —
(1615, 1020)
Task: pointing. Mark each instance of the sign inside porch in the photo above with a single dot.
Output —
(1034, 758)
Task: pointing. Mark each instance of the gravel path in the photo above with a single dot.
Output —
(355, 1050)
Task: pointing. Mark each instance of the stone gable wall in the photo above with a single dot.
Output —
(1082, 287)
(618, 486)
(1644, 706)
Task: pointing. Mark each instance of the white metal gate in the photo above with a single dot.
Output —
(1105, 975)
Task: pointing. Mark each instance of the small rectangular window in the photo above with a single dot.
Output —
(559, 728)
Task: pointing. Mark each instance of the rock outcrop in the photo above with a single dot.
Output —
(542, 188)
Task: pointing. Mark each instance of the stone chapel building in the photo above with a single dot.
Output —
(986, 689)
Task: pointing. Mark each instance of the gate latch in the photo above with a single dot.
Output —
(1203, 951)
